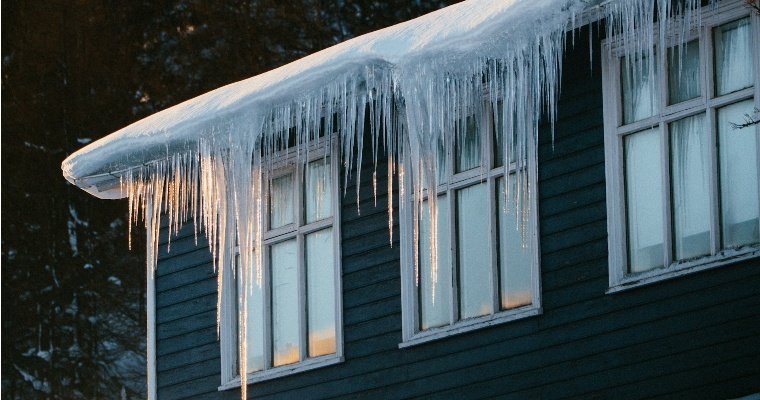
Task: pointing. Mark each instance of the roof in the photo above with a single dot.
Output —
(467, 30)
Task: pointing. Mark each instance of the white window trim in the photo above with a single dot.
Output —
(409, 297)
(619, 280)
(288, 161)
(150, 312)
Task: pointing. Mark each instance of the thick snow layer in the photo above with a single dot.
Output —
(472, 29)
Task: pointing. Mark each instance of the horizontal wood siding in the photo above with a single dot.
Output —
(697, 336)
(187, 362)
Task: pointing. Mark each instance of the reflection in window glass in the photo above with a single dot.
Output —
(683, 72)
(474, 260)
(738, 176)
(468, 147)
(255, 322)
(638, 87)
(515, 254)
(320, 292)
(733, 56)
(435, 309)
(281, 201)
(285, 325)
(643, 191)
(690, 170)
(318, 196)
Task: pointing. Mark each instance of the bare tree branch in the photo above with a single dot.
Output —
(749, 120)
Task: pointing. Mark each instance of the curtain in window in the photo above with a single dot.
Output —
(320, 292)
(515, 252)
(643, 190)
(738, 176)
(435, 310)
(733, 56)
(473, 239)
(690, 181)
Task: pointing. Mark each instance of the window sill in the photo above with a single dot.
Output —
(470, 325)
(684, 268)
(285, 370)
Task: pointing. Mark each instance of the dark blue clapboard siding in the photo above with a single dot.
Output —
(188, 362)
(697, 336)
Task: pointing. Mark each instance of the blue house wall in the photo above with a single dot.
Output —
(696, 336)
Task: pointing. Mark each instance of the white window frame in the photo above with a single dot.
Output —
(614, 131)
(411, 336)
(288, 162)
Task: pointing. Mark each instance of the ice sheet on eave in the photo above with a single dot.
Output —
(474, 28)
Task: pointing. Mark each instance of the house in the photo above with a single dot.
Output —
(598, 241)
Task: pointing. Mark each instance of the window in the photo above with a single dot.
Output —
(294, 317)
(487, 266)
(682, 184)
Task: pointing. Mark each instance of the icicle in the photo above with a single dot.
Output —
(390, 199)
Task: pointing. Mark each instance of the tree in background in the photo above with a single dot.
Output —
(72, 293)
(73, 71)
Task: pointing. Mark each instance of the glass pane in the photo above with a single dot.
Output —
(474, 256)
(255, 322)
(690, 170)
(281, 201)
(683, 72)
(733, 56)
(515, 254)
(320, 292)
(738, 176)
(318, 193)
(285, 325)
(435, 294)
(468, 146)
(643, 195)
(638, 87)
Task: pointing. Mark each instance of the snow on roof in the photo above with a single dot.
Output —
(474, 28)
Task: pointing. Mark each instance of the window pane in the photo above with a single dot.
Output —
(285, 325)
(255, 322)
(320, 292)
(281, 201)
(643, 192)
(468, 146)
(474, 258)
(738, 176)
(638, 87)
(435, 298)
(683, 72)
(515, 254)
(690, 170)
(733, 56)
(318, 194)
